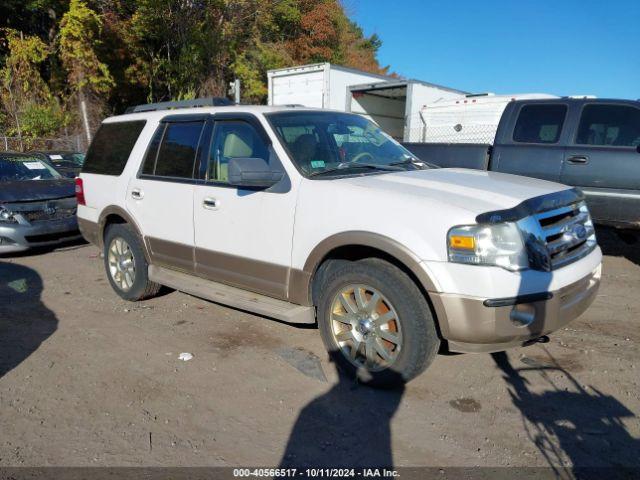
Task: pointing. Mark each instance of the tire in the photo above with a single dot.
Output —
(140, 286)
(412, 325)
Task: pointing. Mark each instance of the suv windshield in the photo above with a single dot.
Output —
(339, 144)
(25, 167)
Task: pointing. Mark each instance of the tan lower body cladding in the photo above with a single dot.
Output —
(253, 275)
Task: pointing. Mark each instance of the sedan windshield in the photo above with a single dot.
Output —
(66, 159)
(25, 167)
(337, 144)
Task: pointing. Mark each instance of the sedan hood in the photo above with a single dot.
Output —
(34, 190)
(473, 190)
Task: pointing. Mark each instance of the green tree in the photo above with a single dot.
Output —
(109, 54)
(22, 89)
(88, 78)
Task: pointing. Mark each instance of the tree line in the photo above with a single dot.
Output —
(65, 64)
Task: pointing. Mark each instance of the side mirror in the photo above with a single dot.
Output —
(638, 149)
(252, 173)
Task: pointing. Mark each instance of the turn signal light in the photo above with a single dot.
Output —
(462, 242)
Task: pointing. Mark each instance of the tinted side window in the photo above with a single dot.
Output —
(111, 147)
(152, 152)
(177, 152)
(617, 125)
(233, 139)
(540, 123)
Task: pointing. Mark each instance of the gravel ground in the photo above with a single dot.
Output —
(87, 379)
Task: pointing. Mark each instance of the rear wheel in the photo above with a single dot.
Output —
(126, 265)
(376, 323)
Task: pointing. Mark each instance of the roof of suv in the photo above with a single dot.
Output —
(579, 100)
(159, 114)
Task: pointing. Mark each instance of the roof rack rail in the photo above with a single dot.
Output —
(197, 102)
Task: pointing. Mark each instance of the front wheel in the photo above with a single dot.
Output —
(376, 323)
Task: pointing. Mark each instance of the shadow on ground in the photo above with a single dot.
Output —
(24, 320)
(619, 243)
(32, 252)
(576, 428)
(349, 426)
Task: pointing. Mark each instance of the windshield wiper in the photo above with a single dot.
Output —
(414, 161)
(351, 166)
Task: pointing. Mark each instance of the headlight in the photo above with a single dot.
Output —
(6, 216)
(500, 245)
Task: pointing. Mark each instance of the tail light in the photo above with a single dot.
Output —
(80, 192)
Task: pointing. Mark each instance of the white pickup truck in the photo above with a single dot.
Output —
(311, 216)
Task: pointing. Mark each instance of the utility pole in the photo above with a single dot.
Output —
(234, 89)
(85, 118)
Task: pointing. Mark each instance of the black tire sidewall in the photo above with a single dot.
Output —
(141, 281)
(420, 339)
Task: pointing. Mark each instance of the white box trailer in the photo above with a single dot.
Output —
(392, 103)
(395, 105)
(472, 119)
(320, 85)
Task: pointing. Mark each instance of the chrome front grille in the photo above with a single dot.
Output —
(567, 234)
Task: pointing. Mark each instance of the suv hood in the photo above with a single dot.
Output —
(476, 191)
(34, 190)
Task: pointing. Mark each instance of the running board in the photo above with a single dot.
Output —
(232, 296)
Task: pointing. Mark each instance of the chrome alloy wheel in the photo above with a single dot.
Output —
(122, 264)
(366, 327)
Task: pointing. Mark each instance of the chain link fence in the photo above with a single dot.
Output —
(74, 143)
(453, 134)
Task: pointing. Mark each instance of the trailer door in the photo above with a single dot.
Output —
(299, 87)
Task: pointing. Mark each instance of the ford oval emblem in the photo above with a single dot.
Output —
(575, 232)
(579, 231)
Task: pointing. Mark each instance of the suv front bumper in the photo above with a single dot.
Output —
(17, 237)
(473, 324)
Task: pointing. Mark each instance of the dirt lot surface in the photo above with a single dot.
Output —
(87, 379)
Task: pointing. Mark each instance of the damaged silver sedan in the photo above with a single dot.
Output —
(37, 204)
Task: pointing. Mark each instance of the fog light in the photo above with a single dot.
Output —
(523, 314)
(6, 241)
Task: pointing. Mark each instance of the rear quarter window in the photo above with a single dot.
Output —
(111, 147)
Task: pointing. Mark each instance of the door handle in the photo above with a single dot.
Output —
(578, 159)
(137, 194)
(210, 203)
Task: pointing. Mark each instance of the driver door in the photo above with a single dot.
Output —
(243, 237)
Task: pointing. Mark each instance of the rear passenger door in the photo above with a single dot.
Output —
(160, 198)
(603, 159)
(535, 145)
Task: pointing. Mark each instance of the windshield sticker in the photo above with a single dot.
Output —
(317, 163)
(35, 165)
(376, 136)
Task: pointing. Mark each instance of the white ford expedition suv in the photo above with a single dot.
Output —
(310, 216)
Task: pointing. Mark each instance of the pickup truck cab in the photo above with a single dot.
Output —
(593, 144)
(312, 216)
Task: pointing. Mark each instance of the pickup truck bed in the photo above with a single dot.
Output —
(453, 155)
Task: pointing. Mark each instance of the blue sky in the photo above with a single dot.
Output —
(563, 47)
